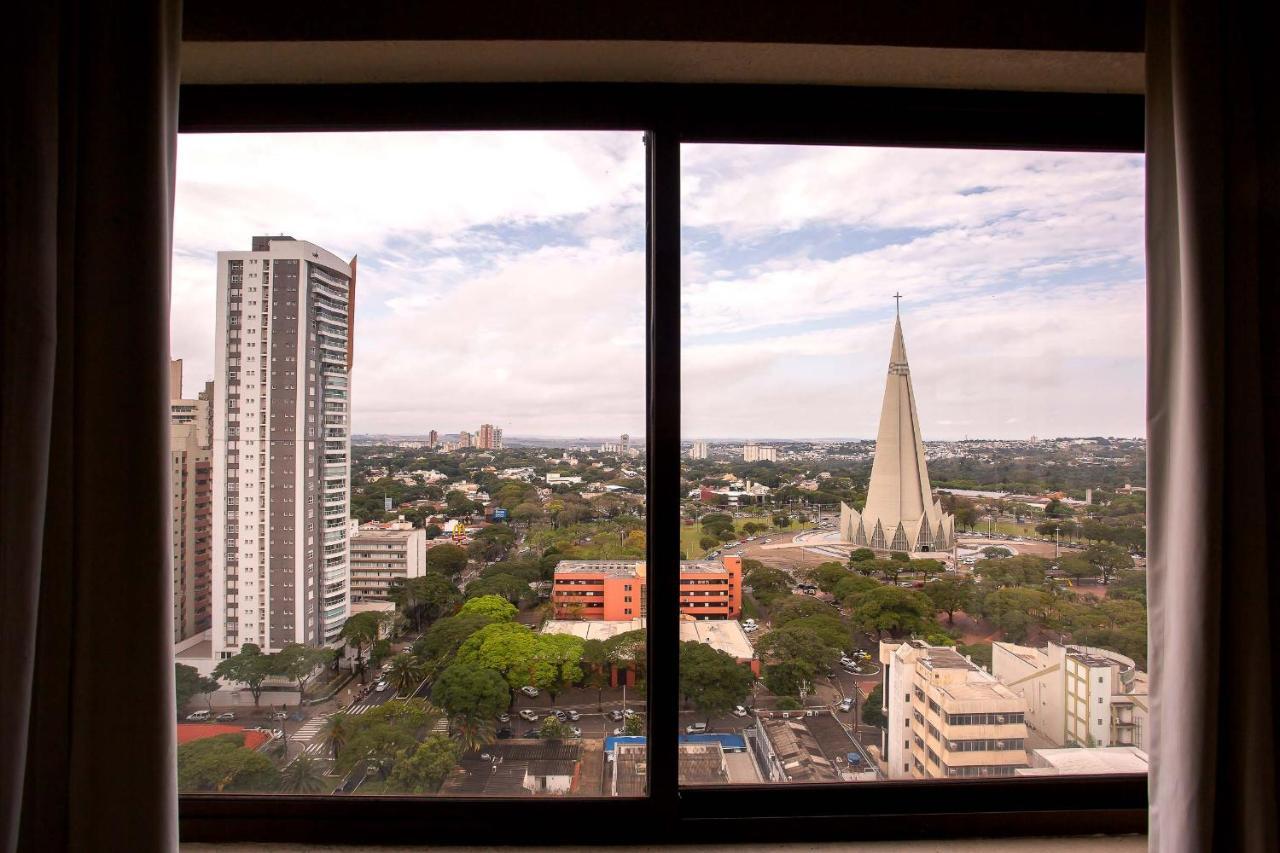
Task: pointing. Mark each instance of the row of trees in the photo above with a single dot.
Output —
(250, 667)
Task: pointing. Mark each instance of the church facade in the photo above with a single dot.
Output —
(900, 514)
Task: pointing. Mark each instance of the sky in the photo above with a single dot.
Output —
(501, 280)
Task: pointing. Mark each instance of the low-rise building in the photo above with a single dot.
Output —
(381, 558)
(615, 589)
(946, 716)
(725, 635)
(1085, 761)
(1077, 695)
(517, 768)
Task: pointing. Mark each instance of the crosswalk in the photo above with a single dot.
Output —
(362, 707)
(308, 733)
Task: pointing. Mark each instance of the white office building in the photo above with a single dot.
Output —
(752, 452)
(699, 450)
(281, 446)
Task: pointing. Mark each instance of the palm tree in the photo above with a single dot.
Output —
(303, 776)
(472, 732)
(335, 733)
(406, 672)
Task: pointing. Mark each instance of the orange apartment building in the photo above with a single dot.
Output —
(614, 589)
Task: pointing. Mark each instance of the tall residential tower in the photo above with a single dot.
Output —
(191, 496)
(281, 445)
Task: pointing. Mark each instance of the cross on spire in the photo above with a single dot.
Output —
(897, 304)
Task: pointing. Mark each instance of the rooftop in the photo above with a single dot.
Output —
(381, 535)
(508, 764)
(798, 751)
(609, 568)
(725, 635)
(1082, 760)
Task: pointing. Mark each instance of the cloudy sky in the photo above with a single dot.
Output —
(502, 280)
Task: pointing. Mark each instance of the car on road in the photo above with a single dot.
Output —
(560, 715)
(851, 666)
(846, 660)
(846, 704)
(380, 686)
(574, 716)
(695, 729)
(615, 715)
(504, 733)
(504, 718)
(628, 713)
(532, 733)
(739, 711)
(529, 714)
(530, 691)
(226, 717)
(277, 715)
(618, 732)
(198, 716)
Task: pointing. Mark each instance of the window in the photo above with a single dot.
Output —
(202, 814)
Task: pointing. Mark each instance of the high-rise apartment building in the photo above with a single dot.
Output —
(281, 445)
(433, 439)
(488, 438)
(465, 439)
(698, 451)
(947, 717)
(752, 452)
(191, 495)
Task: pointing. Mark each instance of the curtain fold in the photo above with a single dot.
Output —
(86, 686)
(1213, 232)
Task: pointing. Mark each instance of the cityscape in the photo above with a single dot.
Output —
(884, 575)
(452, 615)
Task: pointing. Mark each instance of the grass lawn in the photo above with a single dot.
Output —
(690, 534)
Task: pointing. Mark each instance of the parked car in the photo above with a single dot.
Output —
(628, 713)
(277, 715)
(846, 660)
(529, 691)
(226, 717)
(846, 704)
(618, 732)
(529, 714)
(504, 733)
(504, 718)
(695, 729)
(380, 686)
(573, 731)
(560, 715)
(739, 711)
(615, 715)
(851, 666)
(534, 733)
(198, 716)
(574, 715)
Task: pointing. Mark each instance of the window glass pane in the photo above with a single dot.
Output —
(914, 457)
(408, 471)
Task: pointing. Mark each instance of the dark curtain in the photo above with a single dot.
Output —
(1213, 233)
(86, 675)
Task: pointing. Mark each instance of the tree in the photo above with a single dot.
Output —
(628, 650)
(335, 733)
(827, 575)
(362, 630)
(797, 642)
(596, 668)
(781, 520)
(446, 559)
(1013, 610)
(1077, 567)
(633, 726)
(188, 683)
(222, 763)
(505, 586)
(304, 775)
(861, 555)
(950, 594)
(767, 584)
(425, 599)
(406, 672)
(872, 708)
(551, 729)
(708, 542)
(787, 677)
(432, 531)
(495, 607)
(443, 638)
(249, 667)
(422, 768)
(712, 680)
(892, 610)
(927, 567)
(472, 732)
(564, 653)
(467, 691)
(851, 589)
(1108, 559)
(995, 552)
(300, 663)
(979, 653)
(1020, 570)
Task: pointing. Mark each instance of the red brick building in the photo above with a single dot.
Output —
(614, 590)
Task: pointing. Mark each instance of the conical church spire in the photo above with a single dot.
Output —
(900, 514)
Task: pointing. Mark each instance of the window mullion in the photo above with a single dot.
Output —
(662, 148)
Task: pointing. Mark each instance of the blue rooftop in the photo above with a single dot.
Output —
(729, 743)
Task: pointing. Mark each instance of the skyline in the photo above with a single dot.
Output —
(501, 280)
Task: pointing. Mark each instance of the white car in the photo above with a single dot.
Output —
(529, 714)
(529, 691)
(226, 717)
(380, 686)
(846, 705)
(618, 732)
(574, 716)
(198, 716)
(845, 660)
(739, 711)
(695, 729)
(573, 731)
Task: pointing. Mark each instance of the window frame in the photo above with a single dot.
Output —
(669, 115)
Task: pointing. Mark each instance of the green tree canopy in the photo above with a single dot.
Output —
(1019, 570)
(493, 606)
(950, 594)
(425, 599)
(301, 663)
(443, 638)
(851, 589)
(189, 683)
(767, 584)
(304, 775)
(1108, 559)
(798, 607)
(511, 588)
(222, 763)
(249, 667)
(1014, 610)
(463, 690)
(422, 768)
(447, 559)
(872, 710)
(828, 575)
(712, 680)
(892, 610)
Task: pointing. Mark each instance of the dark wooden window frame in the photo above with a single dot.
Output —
(669, 115)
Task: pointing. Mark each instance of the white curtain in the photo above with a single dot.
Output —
(1213, 235)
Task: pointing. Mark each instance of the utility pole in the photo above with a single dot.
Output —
(1055, 544)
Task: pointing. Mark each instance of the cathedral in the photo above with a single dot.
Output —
(901, 514)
